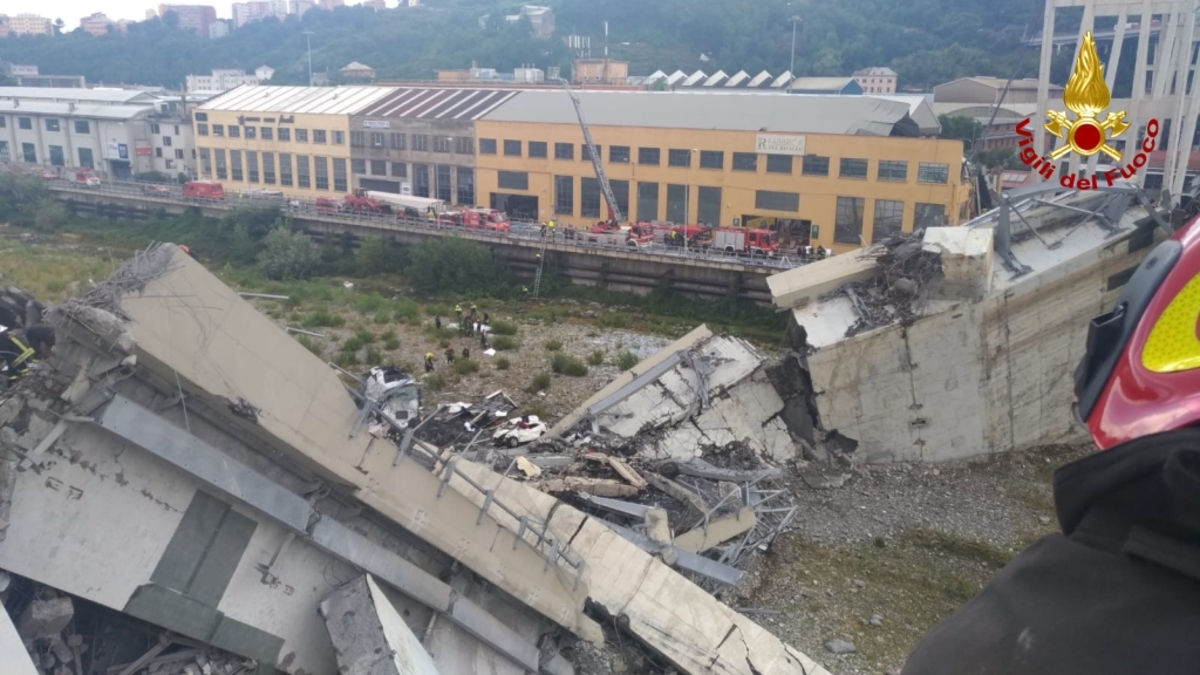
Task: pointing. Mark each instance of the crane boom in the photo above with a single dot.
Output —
(591, 146)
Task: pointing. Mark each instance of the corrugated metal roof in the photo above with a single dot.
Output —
(782, 80)
(760, 79)
(301, 100)
(738, 79)
(437, 103)
(100, 111)
(709, 110)
(71, 94)
(829, 83)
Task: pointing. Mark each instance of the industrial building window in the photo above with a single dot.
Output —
(81, 128)
(376, 139)
(848, 225)
(285, 169)
(779, 164)
(29, 153)
(649, 156)
(202, 116)
(339, 138)
(179, 153)
(777, 201)
(252, 165)
(745, 161)
(564, 195)
(815, 165)
(589, 198)
(378, 167)
(708, 209)
(218, 130)
(321, 172)
(250, 133)
(358, 166)
(158, 152)
(24, 122)
(487, 146)
(564, 151)
(712, 159)
(647, 203)
(464, 145)
(318, 136)
(205, 163)
(153, 128)
(302, 135)
(397, 140)
(512, 148)
(586, 156)
(85, 158)
(53, 124)
(302, 179)
(893, 170)
(399, 170)
(235, 165)
(618, 153)
(166, 141)
(537, 149)
(677, 157)
(219, 160)
(889, 219)
(358, 139)
(441, 143)
(420, 142)
(339, 174)
(933, 173)
(4, 151)
(852, 168)
(512, 180)
(466, 186)
(235, 131)
(929, 215)
(56, 156)
(620, 190)
(420, 179)
(284, 134)
(268, 168)
(266, 133)
(443, 186)
(677, 205)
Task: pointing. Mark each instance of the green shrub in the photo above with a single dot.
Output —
(538, 409)
(382, 318)
(435, 382)
(323, 319)
(288, 255)
(596, 358)
(449, 264)
(553, 345)
(503, 364)
(311, 344)
(364, 336)
(627, 360)
(346, 359)
(541, 382)
(505, 343)
(369, 303)
(373, 357)
(407, 310)
(391, 343)
(465, 366)
(443, 343)
(503, 328)
(568, 365)
(613, 320)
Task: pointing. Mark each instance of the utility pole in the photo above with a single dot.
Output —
(795, 20)
(308, 41)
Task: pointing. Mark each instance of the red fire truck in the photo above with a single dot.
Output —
(204, 189)
(743, 241)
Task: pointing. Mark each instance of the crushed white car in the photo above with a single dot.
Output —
(520, 431)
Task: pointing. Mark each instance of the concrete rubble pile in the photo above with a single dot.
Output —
(205, 474)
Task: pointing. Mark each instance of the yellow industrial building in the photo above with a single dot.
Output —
(295, 140)
(845, 169)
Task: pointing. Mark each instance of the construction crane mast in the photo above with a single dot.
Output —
(613, 209)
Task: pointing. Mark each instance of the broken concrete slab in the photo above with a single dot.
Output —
(595, 486)
(370, 636)
(657, 527)
(44, 618)
(717, 531)
(802, 285)
(13, 655)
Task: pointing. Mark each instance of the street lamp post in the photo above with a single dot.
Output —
(795, 20)
(307, 39)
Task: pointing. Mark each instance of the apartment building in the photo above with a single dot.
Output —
(842, 171)
(97, 24)
(245, 12)
(197, 18)
(30, 24)
(224, 79)
(294, 139)
(876, 80)
(421, 141)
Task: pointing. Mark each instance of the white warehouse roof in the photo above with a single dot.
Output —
(297, 100)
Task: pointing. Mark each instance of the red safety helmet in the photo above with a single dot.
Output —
(1141, 372)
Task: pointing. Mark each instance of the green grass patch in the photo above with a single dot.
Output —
(568, 365)
(323, 319)
(465, 366)
(596, 358)
(627, 360)
(382, 318)
(373, 357)
(435, 381)
(553, 345)
(503, 328)
(505, 343)
(406, 310)
(311, 344)
(538, 409)
(541, 382)
(503, 363)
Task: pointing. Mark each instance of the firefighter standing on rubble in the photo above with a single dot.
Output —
(22, 348)
(1119, 590)
(429, 362)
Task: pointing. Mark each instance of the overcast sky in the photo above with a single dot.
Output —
(71, 11)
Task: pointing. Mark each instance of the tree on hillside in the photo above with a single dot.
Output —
(966, 129)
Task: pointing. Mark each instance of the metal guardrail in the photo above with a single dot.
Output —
(519, 231)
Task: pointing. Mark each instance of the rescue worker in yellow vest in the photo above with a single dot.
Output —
(458, 312)
(20, 349)
(551, 225)
(429, 362)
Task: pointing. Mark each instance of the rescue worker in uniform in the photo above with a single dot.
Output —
(449, 354)
(1119, 590)
(458, 312)
(22, 348)
(551, 229)
(483, 343)
(429, 362)
(466, 352)
(437, 322)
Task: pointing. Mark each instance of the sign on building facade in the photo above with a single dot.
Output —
(773, 144)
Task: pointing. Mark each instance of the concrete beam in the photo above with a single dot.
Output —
(717, 532)
(369, 635)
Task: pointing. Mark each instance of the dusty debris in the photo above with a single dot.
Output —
(593, 486)
(528, 468)
(900, 290)
(624, 470)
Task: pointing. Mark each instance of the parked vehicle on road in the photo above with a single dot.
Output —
(155, 189)
(82, 177)
(204, 190)
(745, 241)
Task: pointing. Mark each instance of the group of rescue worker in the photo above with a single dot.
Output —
(470, 322)
(548, 229)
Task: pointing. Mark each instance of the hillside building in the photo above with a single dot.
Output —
(198, 18)
(990, 90)
(29, 24)
(876, 80)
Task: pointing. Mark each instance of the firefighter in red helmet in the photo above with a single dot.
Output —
(1118, 591)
